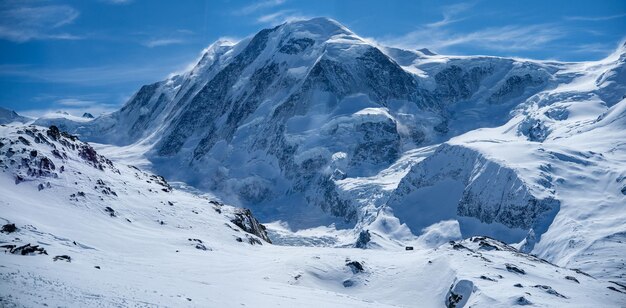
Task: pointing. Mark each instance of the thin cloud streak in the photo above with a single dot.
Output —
(23, 23)
(117, 1)
(162, 42)
(595, 18)
(507, 38)
(89, 76)
(253, 8)
(74, 102)
(450, 12)
(281, 17)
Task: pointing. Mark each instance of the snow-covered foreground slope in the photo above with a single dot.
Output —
(123, 237)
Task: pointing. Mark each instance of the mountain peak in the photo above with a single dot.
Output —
(319, 26)
(318, 21)
(427, 52)
(9, 116)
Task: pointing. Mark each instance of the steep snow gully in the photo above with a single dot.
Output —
(382, 176)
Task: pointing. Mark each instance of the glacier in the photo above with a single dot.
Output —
(333, 141)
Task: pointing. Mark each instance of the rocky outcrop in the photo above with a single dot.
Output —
(18, 154)
(363, 239)
(243, 219)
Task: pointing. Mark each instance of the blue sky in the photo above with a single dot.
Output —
(91, 55)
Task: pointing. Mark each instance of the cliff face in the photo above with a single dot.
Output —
(456, 182)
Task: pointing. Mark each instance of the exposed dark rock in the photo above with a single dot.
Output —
(459, 294)
(23, 140)
(8, 228)
(111, 211)
(355, 266)
(612, 288)
(459, 246)
(581, 272)
(483, 277)
(522, 301)
(572, 278)
(200, 246)
(549, 290)
(453, 300)
(364, 238)
(348, 283)
(518, 285)
(483, 245)
(253, 240)
(514, 269)
(63, 258)
(54, 133)
(244, 220)
(25, 249)
(620, 287)
(294, 46)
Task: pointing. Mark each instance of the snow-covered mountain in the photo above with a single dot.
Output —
(309, 124)
(9, 116)
(276, 119)
(81, 230)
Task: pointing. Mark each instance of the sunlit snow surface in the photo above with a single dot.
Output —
(532, 153)
(145, 251)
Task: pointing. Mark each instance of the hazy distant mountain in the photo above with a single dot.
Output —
(10, 116)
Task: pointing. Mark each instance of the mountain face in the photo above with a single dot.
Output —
(281, 115)
(9, 116)
(310, 124)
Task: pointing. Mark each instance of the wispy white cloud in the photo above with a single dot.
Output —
(506, 38)
(20, 23)
(450, 14)
(595, 48)
(442, 37)
(596, 18)
(280, 17)
(162, 42)
(74, 102)
(260, 5)
(117, 1)
(90, 76)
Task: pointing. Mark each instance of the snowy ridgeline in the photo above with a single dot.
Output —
(310, 125)
(81, 230)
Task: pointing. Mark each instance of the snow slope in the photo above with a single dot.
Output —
(561, 198)
(159, 246)
(310, 125)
